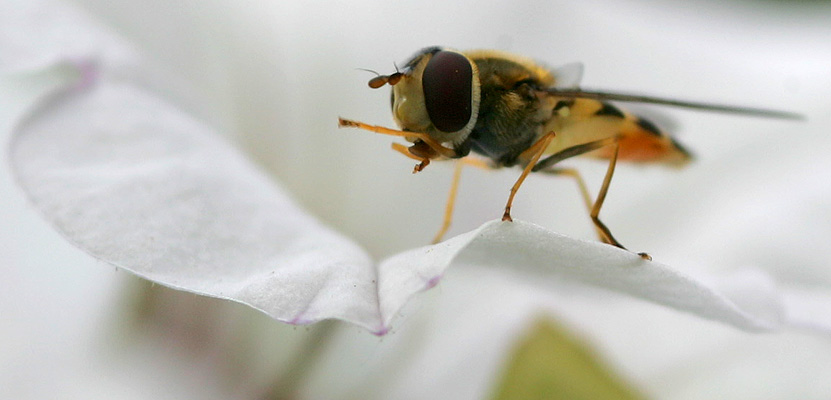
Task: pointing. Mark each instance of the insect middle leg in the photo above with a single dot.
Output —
(454, 186)
(536, 151)
(451, 198)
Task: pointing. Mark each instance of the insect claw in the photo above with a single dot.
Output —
(507, 215)
(645, 256)
(420, 166)
(343, 123)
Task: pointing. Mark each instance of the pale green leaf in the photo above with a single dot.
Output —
(550, 363)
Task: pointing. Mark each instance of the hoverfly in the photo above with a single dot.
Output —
(513, 111)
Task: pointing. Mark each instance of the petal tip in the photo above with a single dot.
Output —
(299, 320)
(381, 332)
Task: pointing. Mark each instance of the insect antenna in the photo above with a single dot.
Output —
(381, 80)
(378, 81)
(369, 70)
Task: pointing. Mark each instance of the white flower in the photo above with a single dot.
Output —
(126, 163)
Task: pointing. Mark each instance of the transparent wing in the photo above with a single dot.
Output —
(568, 76)
(618, 96)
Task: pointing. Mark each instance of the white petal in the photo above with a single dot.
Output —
(456, 337)
(131, 182)
(37, 33)
(809, 308)
(784, 366)
(748, 300)
(138, 184)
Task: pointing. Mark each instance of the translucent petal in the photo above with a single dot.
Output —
(40, 33)
(747, 300)
(138, 184)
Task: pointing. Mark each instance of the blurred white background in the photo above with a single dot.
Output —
(276, 75)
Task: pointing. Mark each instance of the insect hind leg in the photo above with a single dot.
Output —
(605, 233)
(581, 185)
(547, 166)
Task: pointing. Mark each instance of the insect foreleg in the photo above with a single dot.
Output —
(405, 151)
(441, 150)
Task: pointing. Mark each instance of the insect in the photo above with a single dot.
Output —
(512, 111)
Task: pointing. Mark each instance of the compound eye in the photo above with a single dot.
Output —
(448, 90)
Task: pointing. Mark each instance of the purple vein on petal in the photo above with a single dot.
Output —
(89, 70)
(432, 282)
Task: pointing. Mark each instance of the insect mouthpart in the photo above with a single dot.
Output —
(423, 150)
